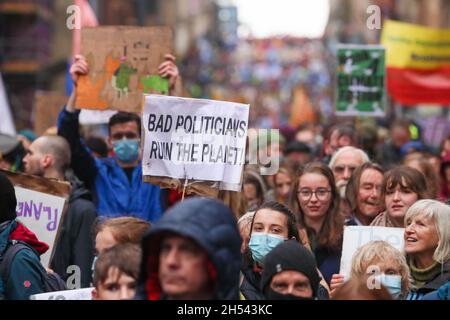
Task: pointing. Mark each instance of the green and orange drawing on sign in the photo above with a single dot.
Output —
(123, 65)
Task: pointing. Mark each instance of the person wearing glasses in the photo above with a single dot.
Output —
(315, 200)
(343, 163)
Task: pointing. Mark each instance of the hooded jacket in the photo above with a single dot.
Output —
(75, 245)
(27, 275)
(212, 226)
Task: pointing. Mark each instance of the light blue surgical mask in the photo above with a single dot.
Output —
(393, 284)
(126, 150)
(261, 244)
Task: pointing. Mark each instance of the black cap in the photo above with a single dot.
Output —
(8, 200)
(290, 256)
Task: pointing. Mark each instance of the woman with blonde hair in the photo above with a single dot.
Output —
(384, 265)
(427, 245)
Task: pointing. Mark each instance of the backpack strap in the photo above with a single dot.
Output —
(8, 257)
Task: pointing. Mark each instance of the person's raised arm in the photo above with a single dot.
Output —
(82, 162)
(168, 69)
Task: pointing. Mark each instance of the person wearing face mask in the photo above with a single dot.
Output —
(116, 182)
(290, 273)
(272, 224)
(383, 265)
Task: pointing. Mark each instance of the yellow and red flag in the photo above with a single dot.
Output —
(417, 63)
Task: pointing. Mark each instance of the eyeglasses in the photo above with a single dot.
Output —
(320, 193)
(341, 169)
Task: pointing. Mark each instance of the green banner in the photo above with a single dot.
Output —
(360, 86)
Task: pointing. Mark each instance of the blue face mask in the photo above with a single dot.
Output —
(393, 284)
(261, 244)
(126, 150)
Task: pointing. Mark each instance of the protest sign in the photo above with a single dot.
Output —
(360, 81)
(357, 236)
(40, 207)
(77, 294)
(47, 106)
(6, 120)
(194, 139)
(123, 64)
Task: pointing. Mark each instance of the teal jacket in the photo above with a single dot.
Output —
(27, 275)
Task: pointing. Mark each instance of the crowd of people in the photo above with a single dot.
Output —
(281, 237)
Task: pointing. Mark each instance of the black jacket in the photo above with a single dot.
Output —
(75, 245)
(213, 227)
(251, 285)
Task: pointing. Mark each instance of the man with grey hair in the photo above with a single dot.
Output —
(49, 157)
(343, 163)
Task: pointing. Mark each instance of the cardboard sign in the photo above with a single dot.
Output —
(40, 207)
(357, 236)
(123, 64)
(78, 294)
(360, 81)
(47, 106)
(194, 139)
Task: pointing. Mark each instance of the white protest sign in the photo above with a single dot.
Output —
(78, 294)
(88, 116)
(194, 139)
(357, 236)
(41, 213)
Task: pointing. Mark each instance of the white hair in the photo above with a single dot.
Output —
(246, 218)
(364, 157)
(440, 214)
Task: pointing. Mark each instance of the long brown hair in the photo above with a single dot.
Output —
(427, 170)
(331, 232)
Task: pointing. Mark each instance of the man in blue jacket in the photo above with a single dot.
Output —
(116, 181)
(26, 273)
(192, 253)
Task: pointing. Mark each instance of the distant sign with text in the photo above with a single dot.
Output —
(360, 81)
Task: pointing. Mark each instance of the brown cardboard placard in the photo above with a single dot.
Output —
(47, 106)
(123, 64)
